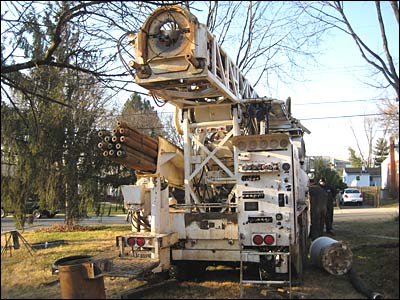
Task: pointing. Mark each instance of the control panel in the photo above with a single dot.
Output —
(265, 187)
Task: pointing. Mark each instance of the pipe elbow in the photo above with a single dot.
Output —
(375, 295)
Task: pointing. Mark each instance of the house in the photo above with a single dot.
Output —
(358, 177)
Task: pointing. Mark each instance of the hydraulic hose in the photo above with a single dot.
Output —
(176, 122)
(360, 287)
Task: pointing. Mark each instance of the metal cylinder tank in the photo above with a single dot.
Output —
(331, 255)
(80, 279)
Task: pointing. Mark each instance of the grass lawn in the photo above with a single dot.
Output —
(374, 245)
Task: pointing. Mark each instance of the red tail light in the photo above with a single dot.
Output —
(269, 239)
(346, 196)
(257, 239)
(131, 241)
(361, 196)
(140, 241)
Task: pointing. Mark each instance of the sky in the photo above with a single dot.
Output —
(336, 88)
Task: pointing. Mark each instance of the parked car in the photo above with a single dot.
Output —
(351, 195)
(32, 207)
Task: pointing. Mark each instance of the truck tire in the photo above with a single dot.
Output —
(175, 272)
(46, 213)
(36, 214)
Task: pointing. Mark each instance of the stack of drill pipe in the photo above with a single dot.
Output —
(130, 148)
(105, 144)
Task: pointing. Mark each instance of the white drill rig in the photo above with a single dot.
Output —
(241, 173)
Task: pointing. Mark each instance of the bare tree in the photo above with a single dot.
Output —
(267, 39)
(100, 25)
(333, 14)
(173, 131)
(370, 130)
(390, 116)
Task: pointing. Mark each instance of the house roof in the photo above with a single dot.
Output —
(370, 171)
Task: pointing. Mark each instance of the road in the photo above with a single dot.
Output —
(350, 213)
(364, 213)
(8, 223)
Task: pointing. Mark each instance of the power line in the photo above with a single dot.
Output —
(336, 117)
(301, 119)
(342, 101)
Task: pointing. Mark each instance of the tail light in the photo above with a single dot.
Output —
(361, 195)
(140, 241)
(346, 196)
(261, 239)
(257, 239)
(131, 241)
(269, 239)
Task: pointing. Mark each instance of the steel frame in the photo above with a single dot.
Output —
(192, 166)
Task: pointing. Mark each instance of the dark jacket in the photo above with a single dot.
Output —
(318, 205)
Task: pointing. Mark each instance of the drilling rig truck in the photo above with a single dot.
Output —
(236, 194)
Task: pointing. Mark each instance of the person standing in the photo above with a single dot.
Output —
(331, 193)
(318, 205)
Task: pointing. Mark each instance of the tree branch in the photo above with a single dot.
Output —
(385, 46)
(395, 7)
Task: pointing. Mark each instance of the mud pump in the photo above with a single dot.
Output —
(236, 194)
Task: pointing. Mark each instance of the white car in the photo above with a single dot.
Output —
(351, 195)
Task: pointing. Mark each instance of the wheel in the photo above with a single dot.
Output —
(3, 213)
(185, 270)
(177, 271)
(51, 215)
(37, 214)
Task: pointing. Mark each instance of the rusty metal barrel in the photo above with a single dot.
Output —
(80, 278)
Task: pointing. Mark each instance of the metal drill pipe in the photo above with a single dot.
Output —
(115, 131)
(140, 147)
(140, 138)
(136, 154)
(127, 147)
(132, 162)
(102, 133)
(127, 130)
(112, 152)
(110, 146)
(102, 145)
